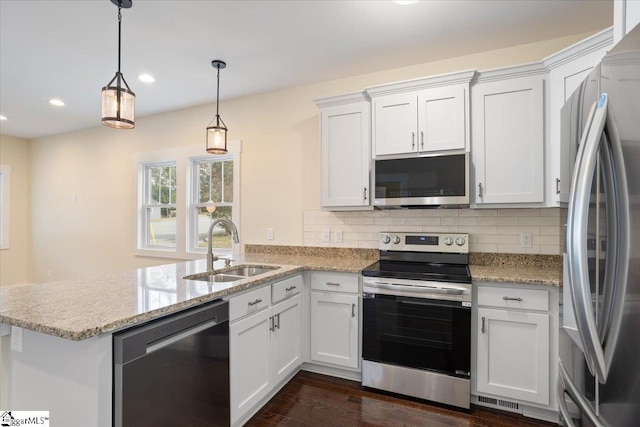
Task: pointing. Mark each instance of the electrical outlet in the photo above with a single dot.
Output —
(269, 233)
(16, 338)
(326, 236)
(338, 236)
(49, 274)
(525, 240)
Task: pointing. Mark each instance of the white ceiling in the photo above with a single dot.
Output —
(67, 49)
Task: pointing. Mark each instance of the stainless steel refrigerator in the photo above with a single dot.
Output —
(599, 373)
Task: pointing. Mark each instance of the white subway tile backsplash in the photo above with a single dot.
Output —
(490, 230)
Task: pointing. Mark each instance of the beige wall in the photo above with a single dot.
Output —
(280, 175)
(13, 261)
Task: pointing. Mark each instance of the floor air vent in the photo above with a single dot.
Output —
(499, 403)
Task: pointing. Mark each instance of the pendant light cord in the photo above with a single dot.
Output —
(119, 31)
(218, 97)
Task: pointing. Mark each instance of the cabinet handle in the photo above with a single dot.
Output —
(365, 193)
(252, 303)
(480, 189)
(277, 325)
(413, 140)
(483, 328)
(557, 185)
(353, 310)
(511, 298)
(422, 139)
(333, 284)
(289, 289)
(272, 326)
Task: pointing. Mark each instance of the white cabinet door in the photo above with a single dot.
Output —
(563, 81)
(508, 141)
(395, 124)
(441, 119)
(334, 328)
(287, 348)
(513, 355)
(249, 362)
(346, 158)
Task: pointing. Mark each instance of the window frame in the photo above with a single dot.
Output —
(183, 158)
(145, 205)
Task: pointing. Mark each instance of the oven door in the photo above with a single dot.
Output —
(422, 333)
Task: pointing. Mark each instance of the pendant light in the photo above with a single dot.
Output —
(217, 134)
(118, 100)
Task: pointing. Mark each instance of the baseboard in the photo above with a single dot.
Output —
(331, 371)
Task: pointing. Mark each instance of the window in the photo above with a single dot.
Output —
(212, 198)
(159, 207)
(5, 175)
(175, 188)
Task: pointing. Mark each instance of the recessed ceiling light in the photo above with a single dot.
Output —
(56, 102)
(147, 78)
(3, 117)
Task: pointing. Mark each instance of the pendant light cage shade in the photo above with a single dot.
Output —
(118, 104)
(217, 134)
(217, 137)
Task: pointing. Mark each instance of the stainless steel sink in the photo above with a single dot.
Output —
(231, 275)
(250, 271)
(214, 277)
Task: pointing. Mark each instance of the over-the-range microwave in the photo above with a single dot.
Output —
(436, 181)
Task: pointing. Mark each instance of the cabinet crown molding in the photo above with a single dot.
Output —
(511, 72)
(348, 98)
(449, 79)
(595, 42)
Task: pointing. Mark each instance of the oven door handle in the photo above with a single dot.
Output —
(428, 287)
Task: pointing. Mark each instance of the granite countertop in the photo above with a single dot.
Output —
(78, 309)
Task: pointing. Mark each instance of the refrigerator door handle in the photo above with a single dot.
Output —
(618, 244)
(577, 228)
(566, 385)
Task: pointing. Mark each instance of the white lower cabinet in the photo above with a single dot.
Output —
(516, 345)
(335, 319)
(513, 355)
(264, 347)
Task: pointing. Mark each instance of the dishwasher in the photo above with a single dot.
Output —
(174, 370)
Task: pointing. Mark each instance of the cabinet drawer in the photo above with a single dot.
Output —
(528, 299)
(250, 302)
(286, 288)
(335, 282)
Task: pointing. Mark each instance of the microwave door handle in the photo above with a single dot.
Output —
(577, 244)
(615, 285)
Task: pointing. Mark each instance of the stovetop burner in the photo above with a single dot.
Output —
(419, 271)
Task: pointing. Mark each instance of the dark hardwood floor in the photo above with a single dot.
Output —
(319, 400)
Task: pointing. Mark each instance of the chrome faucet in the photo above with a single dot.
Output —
(229, 226)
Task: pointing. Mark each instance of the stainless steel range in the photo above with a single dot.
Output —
(417, 317)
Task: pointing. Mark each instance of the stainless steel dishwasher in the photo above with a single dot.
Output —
(174, 371)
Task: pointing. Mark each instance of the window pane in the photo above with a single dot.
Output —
(221, 238)
(215, 181)
(162, 227)
(161, 184)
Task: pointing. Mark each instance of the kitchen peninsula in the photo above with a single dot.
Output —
(77, 318)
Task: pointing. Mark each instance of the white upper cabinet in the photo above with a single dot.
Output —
(345, 139)
(421, 116)
(508, 136)
(567, 69)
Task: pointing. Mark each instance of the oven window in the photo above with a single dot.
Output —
(417, 333)
(435, 176)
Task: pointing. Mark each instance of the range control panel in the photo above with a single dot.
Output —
(425, 242)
